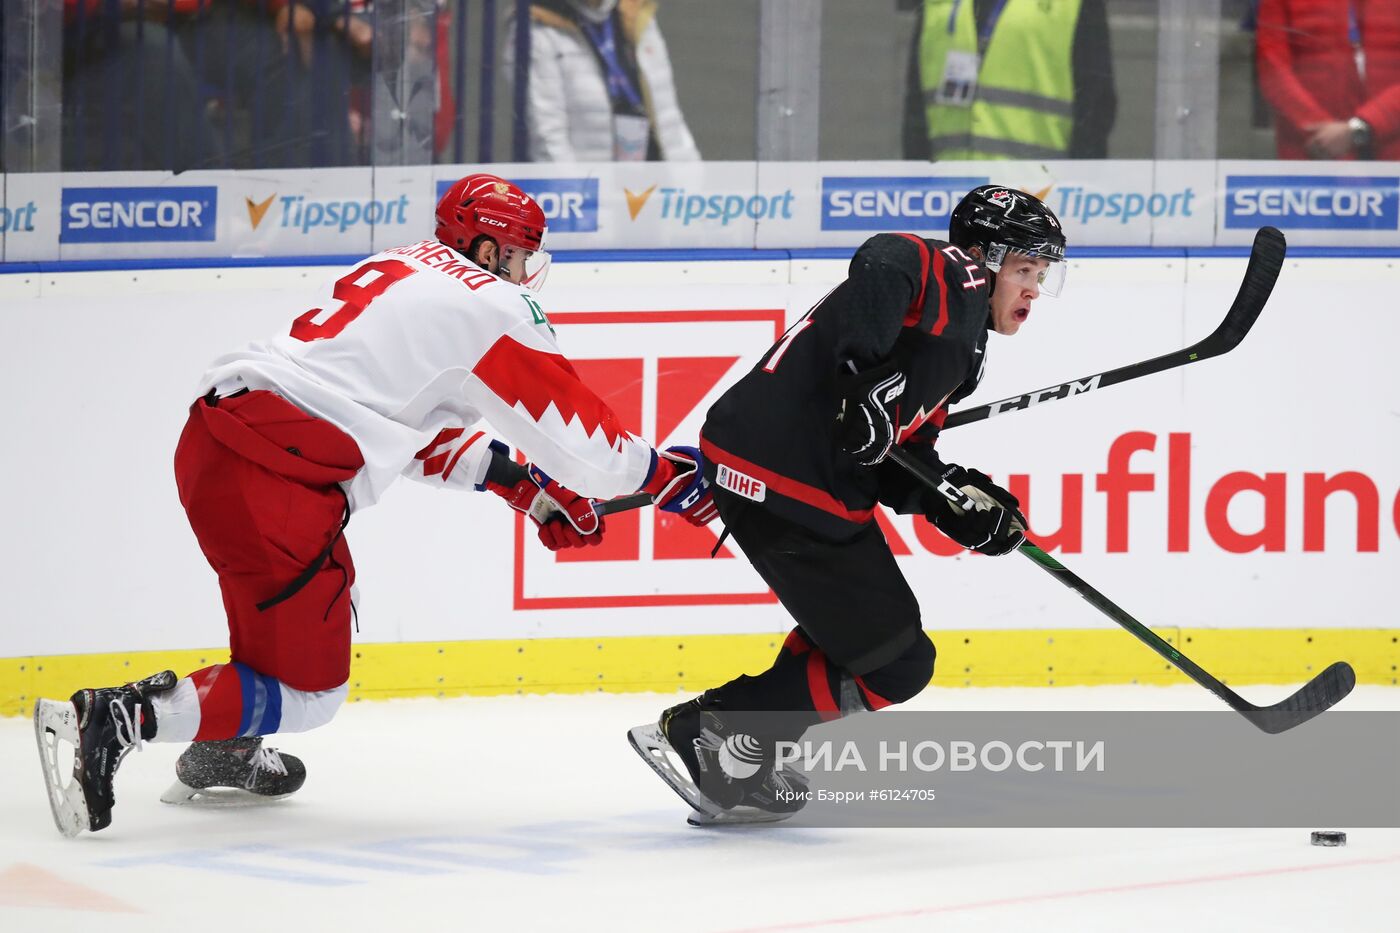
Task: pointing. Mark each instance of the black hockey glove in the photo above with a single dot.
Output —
(869, 416)
(977, 513)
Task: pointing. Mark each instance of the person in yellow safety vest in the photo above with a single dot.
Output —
(1010, 79)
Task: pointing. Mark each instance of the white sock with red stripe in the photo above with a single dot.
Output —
(229, 700)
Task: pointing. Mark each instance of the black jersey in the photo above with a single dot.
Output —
(772, 436)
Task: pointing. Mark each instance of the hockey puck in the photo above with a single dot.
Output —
(1329, 837)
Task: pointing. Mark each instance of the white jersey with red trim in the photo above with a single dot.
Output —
(411, 350)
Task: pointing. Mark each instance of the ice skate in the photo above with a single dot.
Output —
(234, 772)
(726, 776)
(101, 725)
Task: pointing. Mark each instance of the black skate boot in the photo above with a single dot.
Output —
(234, 772)
(732, 776)
(102, 725)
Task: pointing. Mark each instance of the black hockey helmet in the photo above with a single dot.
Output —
(998, 220)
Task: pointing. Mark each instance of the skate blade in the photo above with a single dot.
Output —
(55, 722)
(648, 742)
(182, 795)
(739, 816)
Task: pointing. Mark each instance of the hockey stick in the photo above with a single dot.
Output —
(1316, 696)
(1265, 261)
(622, 504)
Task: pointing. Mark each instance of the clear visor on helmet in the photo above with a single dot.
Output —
(525, 267)
(1025, 268)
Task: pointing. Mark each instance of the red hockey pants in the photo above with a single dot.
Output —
(259, 480)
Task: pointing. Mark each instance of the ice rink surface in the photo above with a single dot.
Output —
(532, 813)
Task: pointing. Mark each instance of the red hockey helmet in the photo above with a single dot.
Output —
(484, 205)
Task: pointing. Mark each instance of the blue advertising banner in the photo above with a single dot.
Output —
(1312, 202)
(891, 202)
(139, 214)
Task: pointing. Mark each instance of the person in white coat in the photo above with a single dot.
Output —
(600, 85)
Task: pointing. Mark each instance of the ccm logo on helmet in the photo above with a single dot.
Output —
(570, 205)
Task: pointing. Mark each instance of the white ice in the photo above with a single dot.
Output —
(531, 813)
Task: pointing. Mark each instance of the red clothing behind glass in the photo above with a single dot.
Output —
(1307, 69)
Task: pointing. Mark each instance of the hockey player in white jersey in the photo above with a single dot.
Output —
(409, 365)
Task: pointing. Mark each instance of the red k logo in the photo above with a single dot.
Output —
(649, 557)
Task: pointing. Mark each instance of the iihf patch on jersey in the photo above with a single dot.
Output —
(741, 484)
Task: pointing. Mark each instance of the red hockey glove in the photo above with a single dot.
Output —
(565, 519)
(678, 485)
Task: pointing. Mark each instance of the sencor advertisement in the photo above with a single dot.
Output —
(875, 203)
(1331, 204)
(699, 205)
(1312, 202)
(163, 214)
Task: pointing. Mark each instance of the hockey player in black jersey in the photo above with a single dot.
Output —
(797, 448)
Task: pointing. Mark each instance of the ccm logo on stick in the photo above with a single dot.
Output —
(1044, 395)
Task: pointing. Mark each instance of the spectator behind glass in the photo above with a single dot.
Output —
(600, 84)
(1010, 79)
(130, 97)
(279, 79)
(1331, 70)
(428, 67)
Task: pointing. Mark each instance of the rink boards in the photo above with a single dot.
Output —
(1248, 507)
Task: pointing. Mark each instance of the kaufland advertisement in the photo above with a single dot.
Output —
(1261, 489)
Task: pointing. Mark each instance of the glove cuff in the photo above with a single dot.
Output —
(501, 469)
(668, 471)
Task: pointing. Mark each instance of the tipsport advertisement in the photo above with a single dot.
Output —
(729, 206)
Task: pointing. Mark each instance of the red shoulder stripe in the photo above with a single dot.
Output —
(916, 307)
(942, 321)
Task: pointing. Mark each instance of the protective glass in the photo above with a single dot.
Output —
(1050, 280)
(525, 267)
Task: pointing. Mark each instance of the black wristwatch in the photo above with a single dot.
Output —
(1360, 133)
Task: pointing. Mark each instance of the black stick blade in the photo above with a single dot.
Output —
(1316, 696)
(1265, 263)
(622, 504)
